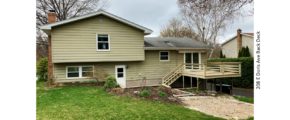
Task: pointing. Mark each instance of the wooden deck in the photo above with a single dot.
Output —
(213, 70)
(205, 71)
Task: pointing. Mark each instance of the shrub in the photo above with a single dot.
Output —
(244, 52)
(110, 83)
(145, 93)
(247, 78)
(222, 55)
(162, 94)
(41, 69)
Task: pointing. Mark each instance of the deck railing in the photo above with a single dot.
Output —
(214, 69)
(208, 70)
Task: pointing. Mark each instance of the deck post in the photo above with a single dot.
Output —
(221, 87)
(214, 84)
(182, 81)
(190, 82)
(205, 84)
(211, 85)
(197, 83)
(232, 87)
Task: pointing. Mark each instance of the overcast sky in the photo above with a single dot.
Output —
(155, 13)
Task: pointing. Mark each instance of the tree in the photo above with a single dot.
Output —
(244, 52)
(208, 17)
(64, 9)
(222, 55)
(175, 28)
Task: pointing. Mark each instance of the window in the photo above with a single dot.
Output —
(72, 71)
(120, 72)
(87, 71)
(103, 42)
(79, 71)
(164, 56)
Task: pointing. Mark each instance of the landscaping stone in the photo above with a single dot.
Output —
(221, 106)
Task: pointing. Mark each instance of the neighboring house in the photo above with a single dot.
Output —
(101, 44)
(232, 46)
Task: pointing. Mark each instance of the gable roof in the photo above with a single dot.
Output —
(46, 28)
(232, 38)
(166, 43)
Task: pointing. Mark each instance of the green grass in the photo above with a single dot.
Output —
(251, 118)
(245, 99)
(90, 103)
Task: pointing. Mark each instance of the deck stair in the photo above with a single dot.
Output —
(172, 76)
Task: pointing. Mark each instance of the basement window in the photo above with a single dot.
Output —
(103, 42)
(87, 71)
(79, 71)
(72, 72)
(164, 56)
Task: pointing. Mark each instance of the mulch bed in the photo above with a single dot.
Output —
(154, 93)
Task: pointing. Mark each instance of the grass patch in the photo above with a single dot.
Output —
(89, 102)
(251, 118)
(245, 99)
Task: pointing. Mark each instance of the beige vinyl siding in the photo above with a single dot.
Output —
(76, 42)
(230, 49)
(151, 69)
(248, 41)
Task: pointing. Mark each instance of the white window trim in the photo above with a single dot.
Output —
(164, 60)
(80, 71)
(97, 46)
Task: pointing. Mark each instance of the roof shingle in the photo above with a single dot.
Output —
(172, 42)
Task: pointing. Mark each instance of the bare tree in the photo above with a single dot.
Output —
(208, 17)
(175, 28)
(64, 9)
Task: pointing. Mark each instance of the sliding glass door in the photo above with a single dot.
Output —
(190, 59)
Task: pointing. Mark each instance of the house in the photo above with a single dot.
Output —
(101, 44)
(231, 47)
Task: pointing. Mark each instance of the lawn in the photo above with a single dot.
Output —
(244, 99)
(90, 103)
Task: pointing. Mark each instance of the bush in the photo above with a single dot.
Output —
(244, 52)
(145, 93)
(41, 69)
(110, 83)
(222, 55)
(247, 78)
(162, 94)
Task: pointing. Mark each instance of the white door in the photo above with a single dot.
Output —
(120, 72)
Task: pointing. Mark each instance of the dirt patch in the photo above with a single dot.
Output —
(155, 93)
(223, 106)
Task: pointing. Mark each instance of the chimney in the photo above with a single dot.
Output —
(239, 39)
(51, 16)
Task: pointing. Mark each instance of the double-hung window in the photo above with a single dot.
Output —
(73, 72)
(164, 56)
(79, 71)
(103, 42)
(87, 71)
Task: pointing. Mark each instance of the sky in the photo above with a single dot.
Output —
(154, 14)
